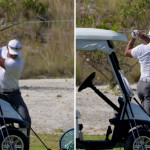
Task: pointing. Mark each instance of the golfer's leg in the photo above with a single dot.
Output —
(3, 97)
(23, 111)
(140, 92)
(147, 105)
(146, 93)
(17, 102)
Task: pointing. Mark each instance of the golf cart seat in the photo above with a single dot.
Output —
(115, 119)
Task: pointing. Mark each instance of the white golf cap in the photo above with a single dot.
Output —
(14, 47)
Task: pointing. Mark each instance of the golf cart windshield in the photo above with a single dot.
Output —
(97, 39)
(90, 39)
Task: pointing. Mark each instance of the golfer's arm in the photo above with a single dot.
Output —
(2, 61)
(129, 47)
(145, 38)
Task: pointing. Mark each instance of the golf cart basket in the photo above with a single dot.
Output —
(131, 119)
(67, 140)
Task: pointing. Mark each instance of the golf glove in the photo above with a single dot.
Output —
(133, 33)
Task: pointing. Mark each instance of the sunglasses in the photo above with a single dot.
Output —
(16, 49)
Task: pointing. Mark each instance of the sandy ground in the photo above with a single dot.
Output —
(51, 106)
(95, 113)
(50, 103)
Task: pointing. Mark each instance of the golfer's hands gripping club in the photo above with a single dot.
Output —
(133, 34)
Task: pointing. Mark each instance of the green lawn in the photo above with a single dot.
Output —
(51, 141)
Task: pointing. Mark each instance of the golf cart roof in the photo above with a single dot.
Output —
(91, 39)
(98, 35)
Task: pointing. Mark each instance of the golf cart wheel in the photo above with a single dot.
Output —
(16, 140)
(139, 143)
(67, 140)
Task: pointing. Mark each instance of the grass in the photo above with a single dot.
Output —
(51, 141)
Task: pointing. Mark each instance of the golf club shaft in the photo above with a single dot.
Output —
(2, 132)
(32, 130)
(37, 136)
(8, 27)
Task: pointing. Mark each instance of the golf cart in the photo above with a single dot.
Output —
(13, 129)
(131, 123)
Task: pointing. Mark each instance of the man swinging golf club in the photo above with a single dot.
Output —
(142, 52)
(11, 66)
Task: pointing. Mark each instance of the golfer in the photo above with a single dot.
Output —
(11, 66)
(142, 52)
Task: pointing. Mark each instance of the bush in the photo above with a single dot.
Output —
(48, 47)
(121, 16)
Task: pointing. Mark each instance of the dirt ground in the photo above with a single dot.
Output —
(95, 113)
(51, 106)
(50, 103)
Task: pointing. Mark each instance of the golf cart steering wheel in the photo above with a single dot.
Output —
(87, 82)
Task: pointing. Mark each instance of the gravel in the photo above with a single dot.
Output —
(95, 113)
(50, 103)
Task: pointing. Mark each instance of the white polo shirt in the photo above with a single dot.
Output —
(142, 52)
(9, 77)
